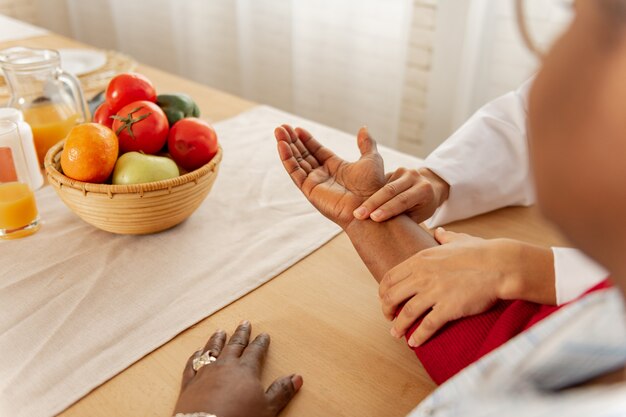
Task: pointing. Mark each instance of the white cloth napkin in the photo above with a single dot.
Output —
(78, 305)
(12, 29)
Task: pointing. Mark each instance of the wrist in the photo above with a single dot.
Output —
(510, 281)
(355, 226)
(440, 187)
(349, 221)
(528, 273)
(384, 245)
(358, 230)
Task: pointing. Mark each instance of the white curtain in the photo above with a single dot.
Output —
(340, 62)
(484, 57)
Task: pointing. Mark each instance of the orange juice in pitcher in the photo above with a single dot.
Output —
(50, 98)
(50, 123)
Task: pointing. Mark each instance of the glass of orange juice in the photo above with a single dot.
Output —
(18, 211)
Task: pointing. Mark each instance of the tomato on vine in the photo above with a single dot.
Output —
(141, 126)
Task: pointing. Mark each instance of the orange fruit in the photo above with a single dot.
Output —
(89, 153)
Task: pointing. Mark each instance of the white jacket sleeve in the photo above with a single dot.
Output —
(574, 274)
(485, 161)
(487, 166)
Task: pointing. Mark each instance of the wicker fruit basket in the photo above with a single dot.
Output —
(133, 209)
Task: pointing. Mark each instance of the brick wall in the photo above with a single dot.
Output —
(417, 71)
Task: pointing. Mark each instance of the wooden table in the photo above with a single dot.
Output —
(323, 315)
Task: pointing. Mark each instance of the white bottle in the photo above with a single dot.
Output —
(19, 150)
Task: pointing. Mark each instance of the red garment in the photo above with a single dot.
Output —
(462, 342)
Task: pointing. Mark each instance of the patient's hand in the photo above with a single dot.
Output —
(230, 386)
(334, 186)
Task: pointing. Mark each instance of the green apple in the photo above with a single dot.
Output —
(139, 168)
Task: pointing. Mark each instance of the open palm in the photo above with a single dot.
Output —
(334, 186)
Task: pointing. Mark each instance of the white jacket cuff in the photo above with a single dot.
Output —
(574, 273)
(485, 162)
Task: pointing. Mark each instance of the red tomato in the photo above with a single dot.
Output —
(128, 87)
(103, 114)
(192, 143)
(141, 126)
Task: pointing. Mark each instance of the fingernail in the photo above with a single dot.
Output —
(440, 229)
(394, 333)
(244, 323)
(412, 342)
(360, 212)
(377, 214)
(297, 381)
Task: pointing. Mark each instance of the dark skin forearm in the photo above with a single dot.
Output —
(382, 246)
(336, 188)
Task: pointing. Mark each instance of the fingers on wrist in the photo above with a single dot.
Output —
(416, 198)
(383, 195)
(396, 197)
(385, 202)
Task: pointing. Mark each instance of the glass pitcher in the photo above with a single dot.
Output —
(51, 99)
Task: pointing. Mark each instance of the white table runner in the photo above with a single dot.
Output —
(78, 305)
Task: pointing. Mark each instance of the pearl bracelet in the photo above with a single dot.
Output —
(194, 415)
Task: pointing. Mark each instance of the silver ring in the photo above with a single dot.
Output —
(205, 359)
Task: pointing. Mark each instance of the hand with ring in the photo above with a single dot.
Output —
(224, 379)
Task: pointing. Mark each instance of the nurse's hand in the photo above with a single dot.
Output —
(418, 193)
(464, 276)
(231, 386)
(334, 186)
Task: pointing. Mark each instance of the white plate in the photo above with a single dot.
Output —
(82, 61)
